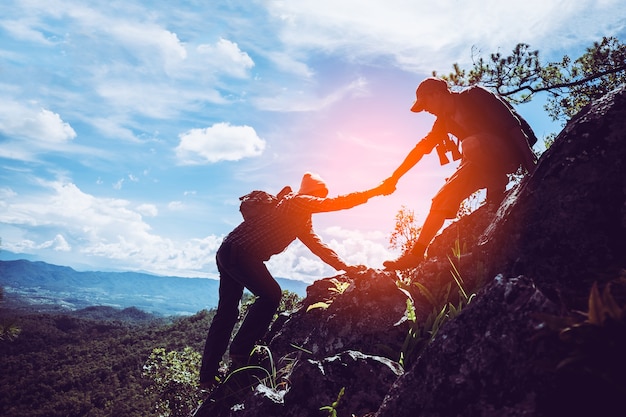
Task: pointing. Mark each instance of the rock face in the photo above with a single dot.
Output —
(353, 313)
(483, 363)
(565, 227)
(532, 263)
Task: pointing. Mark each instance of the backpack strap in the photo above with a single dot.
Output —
(286, 190)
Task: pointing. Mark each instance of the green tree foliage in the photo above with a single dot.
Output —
(570, 83)
(174, 374)
(288, 302)
(8, 330)
(405, 231)
(63, 365)
(103, 364)
(174, 377)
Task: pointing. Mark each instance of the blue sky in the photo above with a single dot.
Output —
(128, 130)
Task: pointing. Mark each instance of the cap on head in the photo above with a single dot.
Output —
(428, 86)
(313, 184)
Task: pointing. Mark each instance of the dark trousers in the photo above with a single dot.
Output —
(236, 272)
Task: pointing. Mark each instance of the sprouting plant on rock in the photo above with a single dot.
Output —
(420, 334)
(332, 409)
(339, 288)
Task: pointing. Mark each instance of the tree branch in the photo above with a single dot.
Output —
(581, 81)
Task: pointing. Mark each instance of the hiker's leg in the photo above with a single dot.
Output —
(496, 188)
(261, 283)
(493, 159)
(433, 223)
(445, 205)
(230, 292)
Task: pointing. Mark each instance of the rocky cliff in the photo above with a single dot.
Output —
(543, 335)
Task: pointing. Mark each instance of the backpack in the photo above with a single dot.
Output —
(480, 99)
(530, 134)
(258, 203)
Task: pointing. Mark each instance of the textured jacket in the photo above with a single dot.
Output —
(270, 234)
(478, 111)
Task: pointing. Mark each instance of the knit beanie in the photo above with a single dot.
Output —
(312, 183)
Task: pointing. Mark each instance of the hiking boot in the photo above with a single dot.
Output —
(210, 384)
(406, 261)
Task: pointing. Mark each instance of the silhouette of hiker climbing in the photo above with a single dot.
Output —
(241, 257)
(494, 142)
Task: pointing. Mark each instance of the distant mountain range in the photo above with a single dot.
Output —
(45, 287)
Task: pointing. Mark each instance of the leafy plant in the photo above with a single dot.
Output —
(263, 374)
(174, 377)
(595, 340)
(591, 366)
(288, 301)
(405, 234)
(405, 231)
(465, 298)
(8, 330)
(332, 409)
(339, 288)
(419, 334)
(320, 304)
(272, 376)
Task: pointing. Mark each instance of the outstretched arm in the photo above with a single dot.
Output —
(423, 147)
(342, 202)
(410, 161)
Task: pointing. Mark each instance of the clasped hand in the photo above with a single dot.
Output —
(388, 186)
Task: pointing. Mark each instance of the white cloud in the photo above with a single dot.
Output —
(297, 262)
(40, 126)
(434, 34)
(220, 142)
(6, 192)
(358, 247)
(175, 205)
(148, 210)
(23, 29)
(289, 100)
(287, 63)
(149, 41)
(107, 231)
(49, 127)
(353, 246)
(58, 244)
(112, 127)
(225, 56)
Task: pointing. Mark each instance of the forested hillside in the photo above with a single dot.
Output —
(88, 364)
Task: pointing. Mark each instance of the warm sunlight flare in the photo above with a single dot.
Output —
(158, 120)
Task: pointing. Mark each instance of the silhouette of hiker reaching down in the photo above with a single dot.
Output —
(493, 141)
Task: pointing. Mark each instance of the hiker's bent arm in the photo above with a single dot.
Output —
(326, 254)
